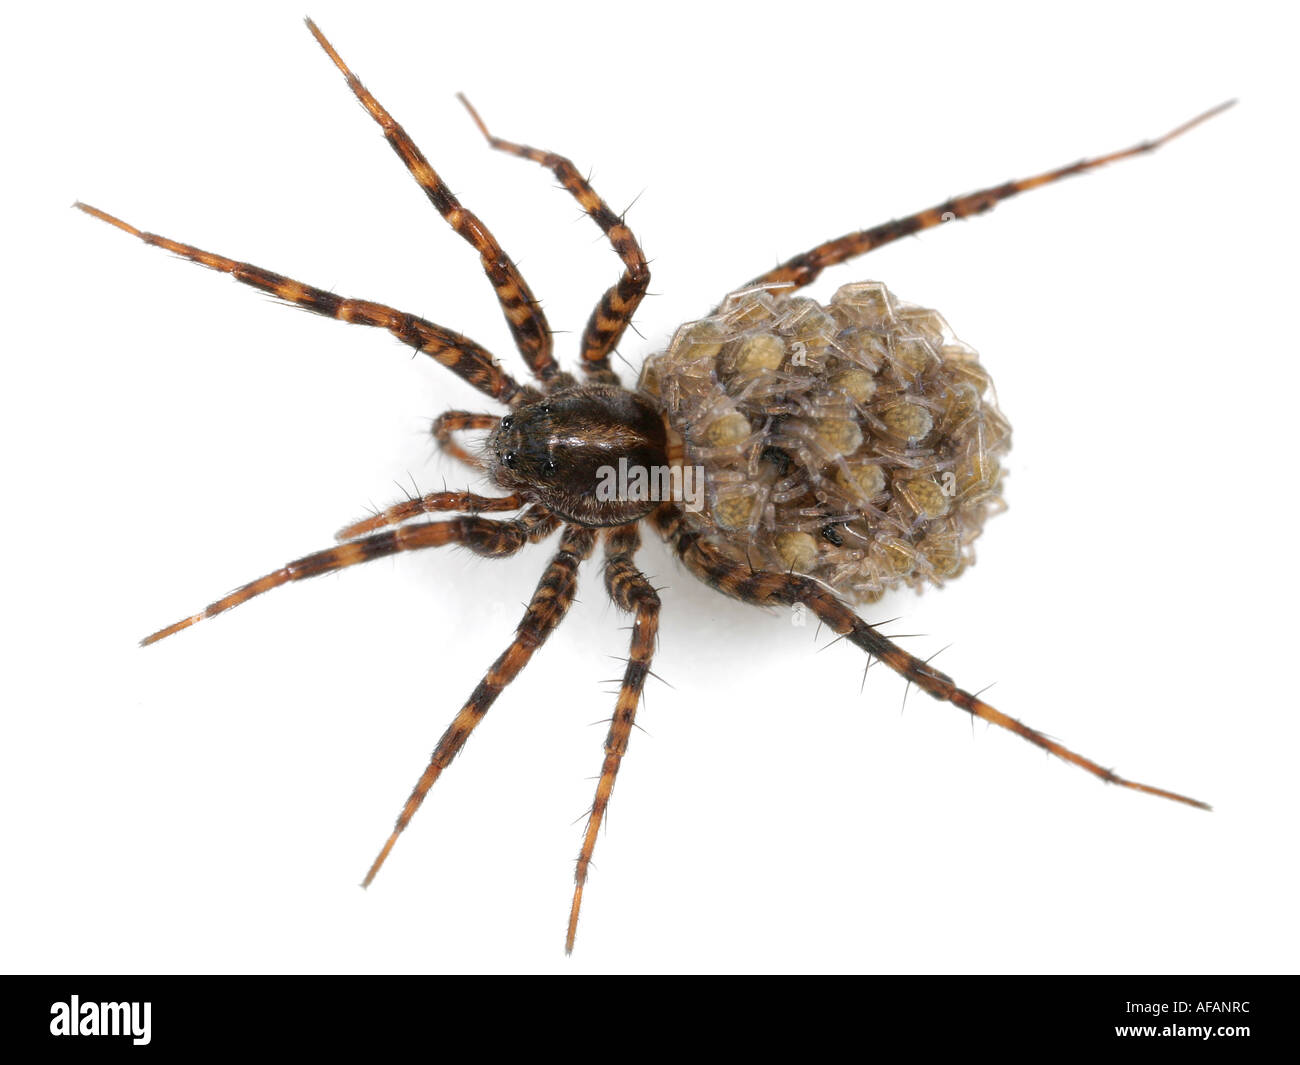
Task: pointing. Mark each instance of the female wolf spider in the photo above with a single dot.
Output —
(878, 380)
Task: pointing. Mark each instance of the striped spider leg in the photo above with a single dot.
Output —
(522, 311)
(803, 269)
(483, 536)
(766, 588)
(546, 609)
(465, 358)
(632, 593)
(613, 314)
(450, 422)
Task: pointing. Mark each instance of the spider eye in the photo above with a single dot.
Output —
(549, 467)
(510, 460)
(507, 422)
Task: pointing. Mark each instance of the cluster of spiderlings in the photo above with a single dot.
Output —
(856, 442)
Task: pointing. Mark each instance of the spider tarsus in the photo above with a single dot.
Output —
(112, 220)
(478, 121)
(170, 630)
(378, 863)
(1163, 794)
(1204, 116)
(573, 913)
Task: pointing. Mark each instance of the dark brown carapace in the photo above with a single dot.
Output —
(791, 453)
(554, 451)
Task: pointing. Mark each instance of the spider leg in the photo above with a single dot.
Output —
(545, 611)
(434, 502)
(462, 356)
(454, 421)
(785, 589)
(804, 268)
(613, 314)
(483, 536)
(628, 588)
(522, 311)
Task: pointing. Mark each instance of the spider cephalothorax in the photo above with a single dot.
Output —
(790, 453)
(560, 449)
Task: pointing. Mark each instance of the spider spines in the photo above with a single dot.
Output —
(661, 680)
(828, 646)
(863, 686)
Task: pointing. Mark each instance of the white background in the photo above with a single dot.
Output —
(210, 803)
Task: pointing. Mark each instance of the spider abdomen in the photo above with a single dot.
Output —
(856, 442)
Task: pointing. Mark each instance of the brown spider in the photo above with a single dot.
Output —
(839, 450)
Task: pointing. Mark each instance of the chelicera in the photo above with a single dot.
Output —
(792, 453)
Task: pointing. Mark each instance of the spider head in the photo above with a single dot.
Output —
(566, 450)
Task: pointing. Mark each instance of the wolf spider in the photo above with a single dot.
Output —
(544, 453)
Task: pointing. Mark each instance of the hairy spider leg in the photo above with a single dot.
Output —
(630, 590)
(522, 311)
(454, 421)
(766, 588)
(613, 314)
(465, 358)
(546, 609)
(483, 536)
(804, 268)
(431, 503)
